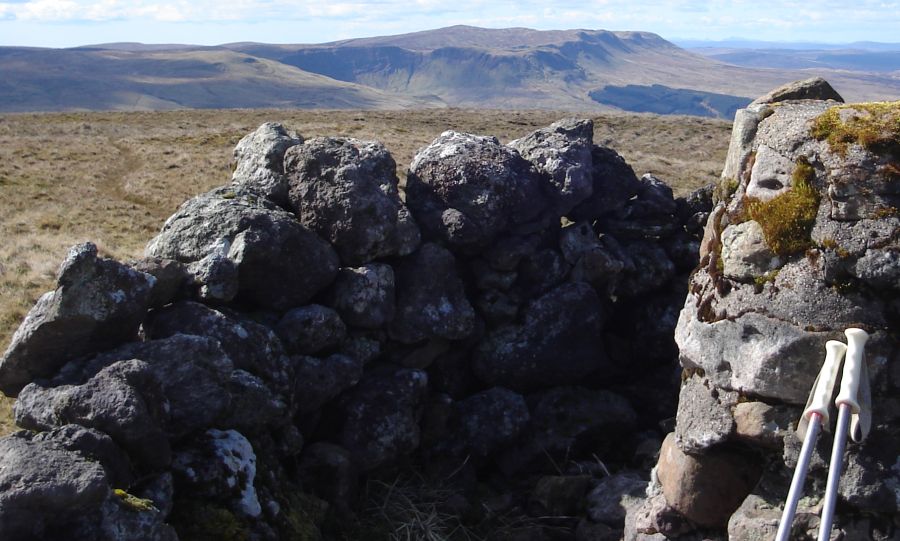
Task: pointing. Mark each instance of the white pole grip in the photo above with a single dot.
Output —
(820, 398)
(856, 341)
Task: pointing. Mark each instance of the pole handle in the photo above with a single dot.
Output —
(852, 374)
(823, 389)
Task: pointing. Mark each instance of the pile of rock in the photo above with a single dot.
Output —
(303, 328)
(804, 242)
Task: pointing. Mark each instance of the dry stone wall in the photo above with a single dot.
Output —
(305, 328)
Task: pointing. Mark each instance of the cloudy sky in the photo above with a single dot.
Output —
(64, 23)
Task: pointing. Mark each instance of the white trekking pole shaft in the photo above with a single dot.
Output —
(847, 403)
(816, 414)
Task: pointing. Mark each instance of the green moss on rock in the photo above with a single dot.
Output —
(874, 126)
(134, 503)
(787, 220)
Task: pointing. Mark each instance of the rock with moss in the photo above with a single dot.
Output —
(259, 161)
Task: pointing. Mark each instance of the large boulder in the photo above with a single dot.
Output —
(365, 296)
(466, 190)
(280, 263)
(561, 153)
(346, 191)
(614, 185)
(558, 343)
(97, 304)
(259, 161)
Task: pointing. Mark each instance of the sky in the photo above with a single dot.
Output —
(69, 23)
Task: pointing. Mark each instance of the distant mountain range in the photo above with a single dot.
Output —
(459, 66)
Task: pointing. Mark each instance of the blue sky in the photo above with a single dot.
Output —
(65, 23)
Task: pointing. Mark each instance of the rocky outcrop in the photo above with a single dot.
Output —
(800, 245)
(305, 332)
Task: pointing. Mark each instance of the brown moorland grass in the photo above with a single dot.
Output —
(113, 178)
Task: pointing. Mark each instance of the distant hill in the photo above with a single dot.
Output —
(106, 79)
(836, 59)
(459, 66)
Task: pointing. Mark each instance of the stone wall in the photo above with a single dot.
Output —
(505, 330)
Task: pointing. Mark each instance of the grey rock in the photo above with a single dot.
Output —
(124, 400)
(328, 470)
(159, 489)
(281, 264)
(568, 423)
(194, 373)
(466, 190)
(771, 174)
(743, 132)
(814, 88)
(92, 445)
(259, 161)
(614, 185)
(254, 406)
(762, 424)
(610, 500)
(755, 520)
(44, 487)
(561, 152)
(346, 191)
(558, 343)
(120, 520)
(431, 298)
(310, 329)
(745, 253)
(380, 417)
(220, 466)
(172, 279)
(879, 268)
(97, 304)
(321, 380)
(250, 346)
(216, 277)
(365, 296)
(654, 198)
(484, 423)
(708, 488)
(704, 415)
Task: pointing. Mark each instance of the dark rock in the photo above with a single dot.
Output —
(215, 276)
(558, 343)
(172, 279)
(124, 400)
(254, 407)
(43, 487)
(568, 423)
(92, 445)
(128, 518)
(249, 345)
(647, 268)
(815, 88)
(483, 423)
(281, 264)
(541, 272)
(380, 417)
(467, 190)
(159, 489)
(219, 466)
(431, 298)
(97, 304)
(311, 329)
(362, 347)
(559, 495)
(364, 296)
(614, 185)
(321, 380)
(194, 373)
(346, 191)
(328, 470)
(654, 198)
(610, 500)
(561, 153)
(593, 531)
(259, 161)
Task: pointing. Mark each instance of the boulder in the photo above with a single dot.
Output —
(321, 380)
(172, 279)
(380, 417)
(92, 445)
(609, 501)
(561, 153)
(706, 489)
(814, 88)
(614, 185)
(346, 191)
(364, 296)
(310, 329)
(704, 415)
(97, 304)
(431, 298)
(124, 400)
(281, 264)
(559, 342)
(259, 161)
(466, 190)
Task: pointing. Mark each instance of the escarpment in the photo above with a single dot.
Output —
(496, 343)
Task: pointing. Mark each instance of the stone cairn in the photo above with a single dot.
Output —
(803, 243)
(305, 329)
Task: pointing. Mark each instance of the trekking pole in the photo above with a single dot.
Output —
(814, 417)
(853, 402)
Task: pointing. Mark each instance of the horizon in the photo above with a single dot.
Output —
(77, 23)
